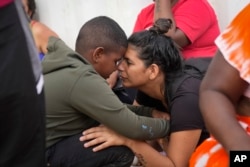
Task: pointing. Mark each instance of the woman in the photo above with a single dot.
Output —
(194, 28)
(225, 96)
(152, 64)
(40, 31)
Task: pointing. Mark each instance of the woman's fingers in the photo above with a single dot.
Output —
(94, 129)
(100, 138)
(101, 146)
(91, 136)
(95, 141)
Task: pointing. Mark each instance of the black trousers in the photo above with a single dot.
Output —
(71, 153)
(22, 126)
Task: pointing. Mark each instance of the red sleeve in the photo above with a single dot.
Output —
(138, 24)
(192, 18)
(5, 2)
(145, 18)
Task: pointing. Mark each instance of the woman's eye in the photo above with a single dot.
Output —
(128, 62)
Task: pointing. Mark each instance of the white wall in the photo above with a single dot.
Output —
(227, 9)
(66, 17)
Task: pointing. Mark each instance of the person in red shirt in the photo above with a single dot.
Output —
(195, 25)
(4, 3)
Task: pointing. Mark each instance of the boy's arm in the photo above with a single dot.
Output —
(92, 96)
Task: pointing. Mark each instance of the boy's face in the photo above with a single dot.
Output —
(107, 62)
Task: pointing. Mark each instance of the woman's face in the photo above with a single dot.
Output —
(132, 69)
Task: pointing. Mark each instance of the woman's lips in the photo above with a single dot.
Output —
(123, 78)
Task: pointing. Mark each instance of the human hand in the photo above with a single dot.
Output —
(160, 114)
(112, 79)
(101, 137)
(163, 143)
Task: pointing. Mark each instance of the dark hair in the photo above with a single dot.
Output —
(154, 47)
(101, 31)
(31, 7)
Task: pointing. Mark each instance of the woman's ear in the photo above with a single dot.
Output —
(154, 71)
(97, 54)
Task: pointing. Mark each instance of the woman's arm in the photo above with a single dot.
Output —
(220, 92)
(41, 34)
(181, 146)
(163, 9)
(105, 137)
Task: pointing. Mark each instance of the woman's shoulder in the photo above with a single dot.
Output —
(40, 28)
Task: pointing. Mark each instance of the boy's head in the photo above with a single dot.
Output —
(103, 43)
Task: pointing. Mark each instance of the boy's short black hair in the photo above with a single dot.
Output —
(101, 31)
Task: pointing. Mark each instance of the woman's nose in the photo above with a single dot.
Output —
(121, 65)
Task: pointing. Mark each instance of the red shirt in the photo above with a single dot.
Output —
(5, 2)
(196, 18)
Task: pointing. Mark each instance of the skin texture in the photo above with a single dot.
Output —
(179, 146)
(220, 99)
(105, 62)
(134, 74)
(112, 79)
(163, 10)
(40, 31)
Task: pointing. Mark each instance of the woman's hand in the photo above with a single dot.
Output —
(101, 137)
(112, 79)
(163, 143)
(160, 114)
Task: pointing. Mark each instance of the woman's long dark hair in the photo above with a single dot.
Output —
(154, 47)
(32, 7)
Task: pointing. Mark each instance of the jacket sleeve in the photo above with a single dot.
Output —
(141, 110)
(92, 96)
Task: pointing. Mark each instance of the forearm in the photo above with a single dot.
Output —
(108, 110)
(138, 127)
(147, 155)
(163, 10)
(141, 110)
(220, 118)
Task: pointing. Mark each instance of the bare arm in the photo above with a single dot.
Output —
(163, 10)
(41, 34)
(220, 92)
(179, 149)
(181, 146)
(147, 155)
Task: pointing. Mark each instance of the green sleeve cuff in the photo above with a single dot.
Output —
(141, 110)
